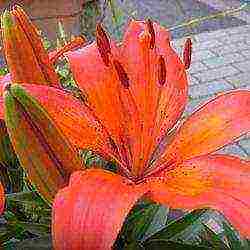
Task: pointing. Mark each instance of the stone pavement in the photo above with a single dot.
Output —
(221, 62)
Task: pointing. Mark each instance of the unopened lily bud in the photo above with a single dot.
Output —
(27, 59)
(44, 152)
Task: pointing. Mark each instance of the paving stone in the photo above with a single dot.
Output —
(239, 30)
(208, 89)
(233, 149)
(200, 45)
(202, 54)
(247, 87)
(243, 15)
(243, 66)
(219, 61)
(230, 48)
(194, 104)
(211, 35)
(239, 80)
(216, 73)
(234, 38)
(246, 52)
(197, 67)
(245, 143)
(192, 80)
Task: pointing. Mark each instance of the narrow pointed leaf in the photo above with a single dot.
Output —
(42, 243)
(233, 238)
(133, 246)
(212, 239)
(7, 153)
(164, 244)
(139, 222)
(44, 152)
(178, 226)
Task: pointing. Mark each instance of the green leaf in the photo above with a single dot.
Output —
(211, 239)
(136, 223)
(3, 71)
(28, 206)
(234, 241)
(158, 222)
(42, 243)
(179, 225)
(62, 34)
(133, 246)
(164, 244)
(140, 222)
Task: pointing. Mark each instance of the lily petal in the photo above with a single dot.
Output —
(74, 118)
(174, 94)
(44, 152)
(103, 90)
(216, 181)
(26, 57)
(89, 213)
(152, 110)
(212, 126)
(160, 106)
(2, 198)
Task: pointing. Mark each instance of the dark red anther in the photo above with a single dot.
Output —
(162, 73)
(151, 31)
(187, 53)
(123, 77)
(103, 43)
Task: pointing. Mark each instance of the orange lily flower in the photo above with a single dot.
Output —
(136, 94)
(138, 91)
